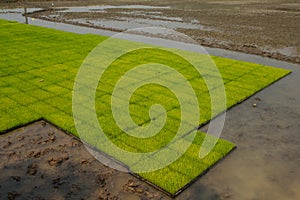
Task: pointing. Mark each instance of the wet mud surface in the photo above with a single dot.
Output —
(41, 162)
(266, 163)
(269, 28)
(265, 129)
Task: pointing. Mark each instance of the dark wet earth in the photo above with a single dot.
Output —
(40, 161)
(269, 28)
(265, 129)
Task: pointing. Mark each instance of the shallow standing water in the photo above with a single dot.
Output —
(17, 15)
(127, 17)
(266, 163)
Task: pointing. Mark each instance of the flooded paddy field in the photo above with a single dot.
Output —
(269, 28)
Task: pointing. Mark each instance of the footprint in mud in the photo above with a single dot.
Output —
(138, 188)
(12, 154)
(55, 162)
(13, 195)
(52, 138)
(43, 166)
(56, 182)
(7, 145)
(74, 188)
(84, 162)
(16, 178)
(37, 154)
(100, 179)
(34, 154)
(32, 169)
(20, 138)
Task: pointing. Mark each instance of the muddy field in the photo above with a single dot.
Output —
(41, 162)
(270, 28)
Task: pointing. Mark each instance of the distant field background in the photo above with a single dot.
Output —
(269, 28)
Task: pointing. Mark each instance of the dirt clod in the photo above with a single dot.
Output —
(84, 162)
(131, 183)
(53, 138)
(55, 162)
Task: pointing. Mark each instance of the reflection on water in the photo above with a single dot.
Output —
(123, 23)
(16, 14)
(102, 8)
(130, 17)
(125, 17)
(26, 18)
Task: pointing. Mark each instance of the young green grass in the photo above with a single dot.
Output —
(38, 67)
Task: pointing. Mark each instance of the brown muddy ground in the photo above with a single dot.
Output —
(41, 162)
(270, 28)
(265, 164)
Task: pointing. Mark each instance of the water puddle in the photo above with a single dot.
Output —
(17, 14)
(123, 23)
(145, 16)
(122, 18)
(19, 10)
(103, 8)
(288, 51)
